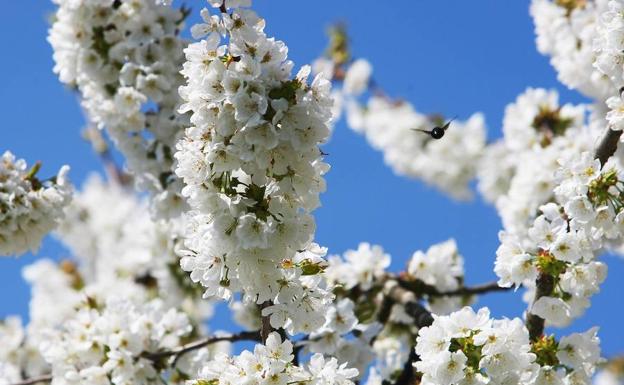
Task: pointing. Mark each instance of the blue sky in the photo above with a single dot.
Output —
(449, 56)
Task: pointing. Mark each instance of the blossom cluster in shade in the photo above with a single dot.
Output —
(29, 207)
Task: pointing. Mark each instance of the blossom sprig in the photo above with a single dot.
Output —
(30, 207)
(469, 347)
(560, 259)
(252, 168)
(592, 193)
(272, 363)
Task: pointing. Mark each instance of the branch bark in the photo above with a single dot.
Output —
(265, 328)
(608, 145)
(179, 352)
(544, 286)
(35, 380)
(419, 288)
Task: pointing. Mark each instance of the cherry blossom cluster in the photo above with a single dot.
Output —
(471, 348)
(110, 342)
(441, 267)
(272, 363)
(566, 31)
(517, 173)
(564, 241)
(124, 57)
(563, 256)
(340, 333)
(29, 207)
(252, 167)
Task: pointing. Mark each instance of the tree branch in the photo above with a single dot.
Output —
(34, 380)
(418, 287)
(398, 294)
(544, 286)
(608, 145)
(177, 353)
(265, 328)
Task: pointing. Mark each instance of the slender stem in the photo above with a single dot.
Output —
(178, 352)
(420, 288)
(34, 380)
(471, 290)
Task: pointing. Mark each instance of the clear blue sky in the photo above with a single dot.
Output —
(448, 56)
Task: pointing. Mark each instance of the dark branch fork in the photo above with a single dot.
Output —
(35, 380)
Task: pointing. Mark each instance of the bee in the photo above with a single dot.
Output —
(437, 132)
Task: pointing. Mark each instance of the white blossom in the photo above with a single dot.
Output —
(29, 207)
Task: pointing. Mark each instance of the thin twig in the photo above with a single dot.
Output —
(472, 290)
(177, 353)
(34, 380)
(420, 288)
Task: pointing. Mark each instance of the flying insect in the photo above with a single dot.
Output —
(437, 132)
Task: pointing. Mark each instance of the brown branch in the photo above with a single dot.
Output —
(489, 287)
(34, 380)
(265, 328)
(398, 294)
(395, 293)
(608, 145)
(179, 352)
(544, 286)
(420, 288)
